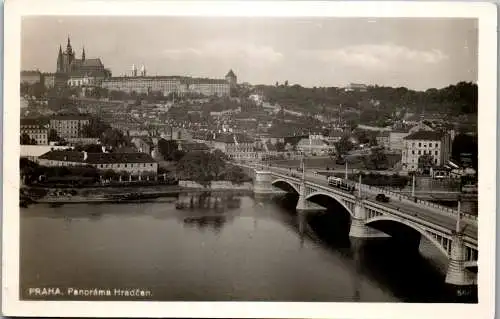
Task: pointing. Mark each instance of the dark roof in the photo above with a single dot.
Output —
(425, 135)
(33, 121)
(70, 117)
(231, 73)
(97, 158)
(193, 146)
(88, 62)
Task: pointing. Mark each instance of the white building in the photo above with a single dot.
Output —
(314, 146)
(396, 136)
(435, 144)
(132, 163)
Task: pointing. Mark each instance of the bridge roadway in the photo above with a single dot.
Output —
(428, 214)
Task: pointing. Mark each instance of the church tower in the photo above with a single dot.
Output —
(60, 67)
(83, 54)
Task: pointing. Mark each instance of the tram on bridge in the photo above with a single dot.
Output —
(340, 183)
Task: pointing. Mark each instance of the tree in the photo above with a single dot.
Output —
(27, 140)
(465, 148)
(344, 145)
(167, 148)
(53, 136)
(425, 162)
(114, 138)
(376, 160)
(95, 128)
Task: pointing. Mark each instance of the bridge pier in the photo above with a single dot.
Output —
(262, 182)
(457, 274)
(359, 229)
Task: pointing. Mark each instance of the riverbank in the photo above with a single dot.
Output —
(126, 194)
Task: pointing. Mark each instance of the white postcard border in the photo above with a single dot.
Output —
(487, 84)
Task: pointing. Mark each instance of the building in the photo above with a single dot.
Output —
(143, 144)
(132, 163)
(397, 135)
(69, 126)
(36, 129)
(31, 77)
(231, 79)
(79, 72)
(357, 87)
(383, 139)
(168, 84)
(435, 144)
(314, 146)
(49, 80)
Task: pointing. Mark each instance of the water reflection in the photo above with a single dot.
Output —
(256, 249)
(213, 222)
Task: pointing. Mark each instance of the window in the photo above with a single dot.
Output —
(419, 144)
(413, 144)
(436, 144)
(435, 161)
(419, 152)
(436, 152)
(425, 145)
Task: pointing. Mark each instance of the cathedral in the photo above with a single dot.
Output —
(77, 72)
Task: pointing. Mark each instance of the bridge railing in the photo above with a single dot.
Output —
(425, 204)
(440, 209)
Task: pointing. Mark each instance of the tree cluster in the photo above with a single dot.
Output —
(205, 167)
(454, 99)
(169, 149)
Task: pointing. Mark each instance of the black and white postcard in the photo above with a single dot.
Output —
(249, 159)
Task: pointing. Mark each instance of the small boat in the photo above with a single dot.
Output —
(180, 205)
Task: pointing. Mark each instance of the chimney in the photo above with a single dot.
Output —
(85, 156)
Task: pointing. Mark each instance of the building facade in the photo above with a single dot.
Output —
(383, 139)
(437, 145)
(132, 163)
(31, 77)
(315, 146)
(36, 130)
(69, 126)
(169, 84)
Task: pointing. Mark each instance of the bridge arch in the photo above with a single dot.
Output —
(289, 185)
(337, 199)
(411, 225)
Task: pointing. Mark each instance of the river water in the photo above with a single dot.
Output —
(238, 248)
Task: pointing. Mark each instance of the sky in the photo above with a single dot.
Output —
(417, 53)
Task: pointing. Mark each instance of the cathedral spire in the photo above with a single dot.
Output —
(83, 54)
(69, 49)
(60, 60)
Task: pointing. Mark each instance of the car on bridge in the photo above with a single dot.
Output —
(382, 198)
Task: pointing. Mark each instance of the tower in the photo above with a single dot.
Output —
(83, 54)
(231, 78)
(60, 67)
(143, 70)
(134, 70)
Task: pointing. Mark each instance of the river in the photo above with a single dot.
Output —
(238, 249)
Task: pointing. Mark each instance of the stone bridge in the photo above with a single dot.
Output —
(452, 232)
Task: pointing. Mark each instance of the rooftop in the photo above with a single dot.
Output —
(425, 135)
(70, 117)
(33, 121)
